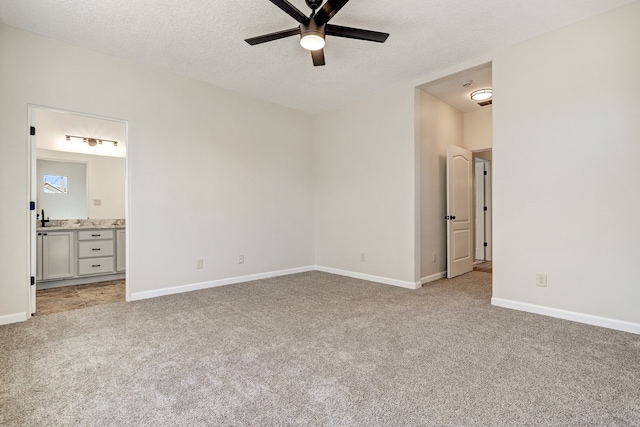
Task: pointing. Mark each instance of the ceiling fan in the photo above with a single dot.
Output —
(315, 27)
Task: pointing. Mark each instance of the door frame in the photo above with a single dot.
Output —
(488, 201)
(32, 195)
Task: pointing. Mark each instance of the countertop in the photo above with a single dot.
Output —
(85, 227)
(81, 224)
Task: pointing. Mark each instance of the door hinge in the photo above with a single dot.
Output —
(485, 244)
(485, 208)
(32, 130)
(485, 172)
(32, 206)
(33, 280)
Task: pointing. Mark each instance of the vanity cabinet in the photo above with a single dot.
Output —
(75, 256)
(57, 255)
(95, 252)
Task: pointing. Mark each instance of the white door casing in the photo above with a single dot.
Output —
(459, 211)
(33, 247)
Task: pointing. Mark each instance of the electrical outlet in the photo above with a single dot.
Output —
(199, 264)
(433, 257)
(240, 259)
(541, 280)
(362, 257)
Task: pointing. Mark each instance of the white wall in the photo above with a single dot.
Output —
(212, 174)
(106, 181)
(365, 187)
(478, 129)
(567, 168)
(440, 125)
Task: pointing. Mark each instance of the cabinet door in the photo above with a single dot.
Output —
(120, 250)
(39, 257)
(57, 254)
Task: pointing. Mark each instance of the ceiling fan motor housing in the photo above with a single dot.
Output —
(312, 29)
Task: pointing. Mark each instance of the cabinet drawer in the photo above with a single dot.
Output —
(94, 249)
(95, 234)
(95, 266)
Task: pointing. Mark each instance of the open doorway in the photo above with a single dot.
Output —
(483, 207)
(483, 211)
(78, 219)
(450, 117)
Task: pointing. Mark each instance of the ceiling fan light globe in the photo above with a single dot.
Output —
(312, 42)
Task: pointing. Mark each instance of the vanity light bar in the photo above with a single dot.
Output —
(92, 142)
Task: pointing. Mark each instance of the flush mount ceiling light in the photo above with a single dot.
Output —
(482, 94)
(91, 142)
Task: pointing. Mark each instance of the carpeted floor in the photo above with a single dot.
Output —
(317, 349)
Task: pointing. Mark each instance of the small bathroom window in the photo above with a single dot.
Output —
(56, 184)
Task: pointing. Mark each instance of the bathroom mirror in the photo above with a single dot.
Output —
(94, 185)
(63, 192)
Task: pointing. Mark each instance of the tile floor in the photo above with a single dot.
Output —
(485, 266)
(79, 296)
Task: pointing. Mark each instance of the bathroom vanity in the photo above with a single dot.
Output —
(71, 256)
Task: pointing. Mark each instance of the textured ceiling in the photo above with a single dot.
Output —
(204, 39)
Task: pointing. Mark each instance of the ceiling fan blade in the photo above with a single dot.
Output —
(318, 57)
(291, 10)
(355, 33)
(273, 36)
(330, 8)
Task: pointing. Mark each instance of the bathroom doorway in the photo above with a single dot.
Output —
(78, 228)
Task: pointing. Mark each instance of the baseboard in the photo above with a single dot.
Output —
(377, 279)
(13, 318)
(589, 319)
(433, 277)
(215, 283)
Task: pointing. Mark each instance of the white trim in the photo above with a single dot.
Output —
(433, 277)
(619, 325)
(377, 279)
(13, 318)
(215, 283)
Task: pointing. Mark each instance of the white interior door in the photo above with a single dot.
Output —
(459, 211)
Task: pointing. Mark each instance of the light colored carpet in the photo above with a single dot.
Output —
(317, 349)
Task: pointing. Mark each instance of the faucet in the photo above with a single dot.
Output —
(43, 220)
